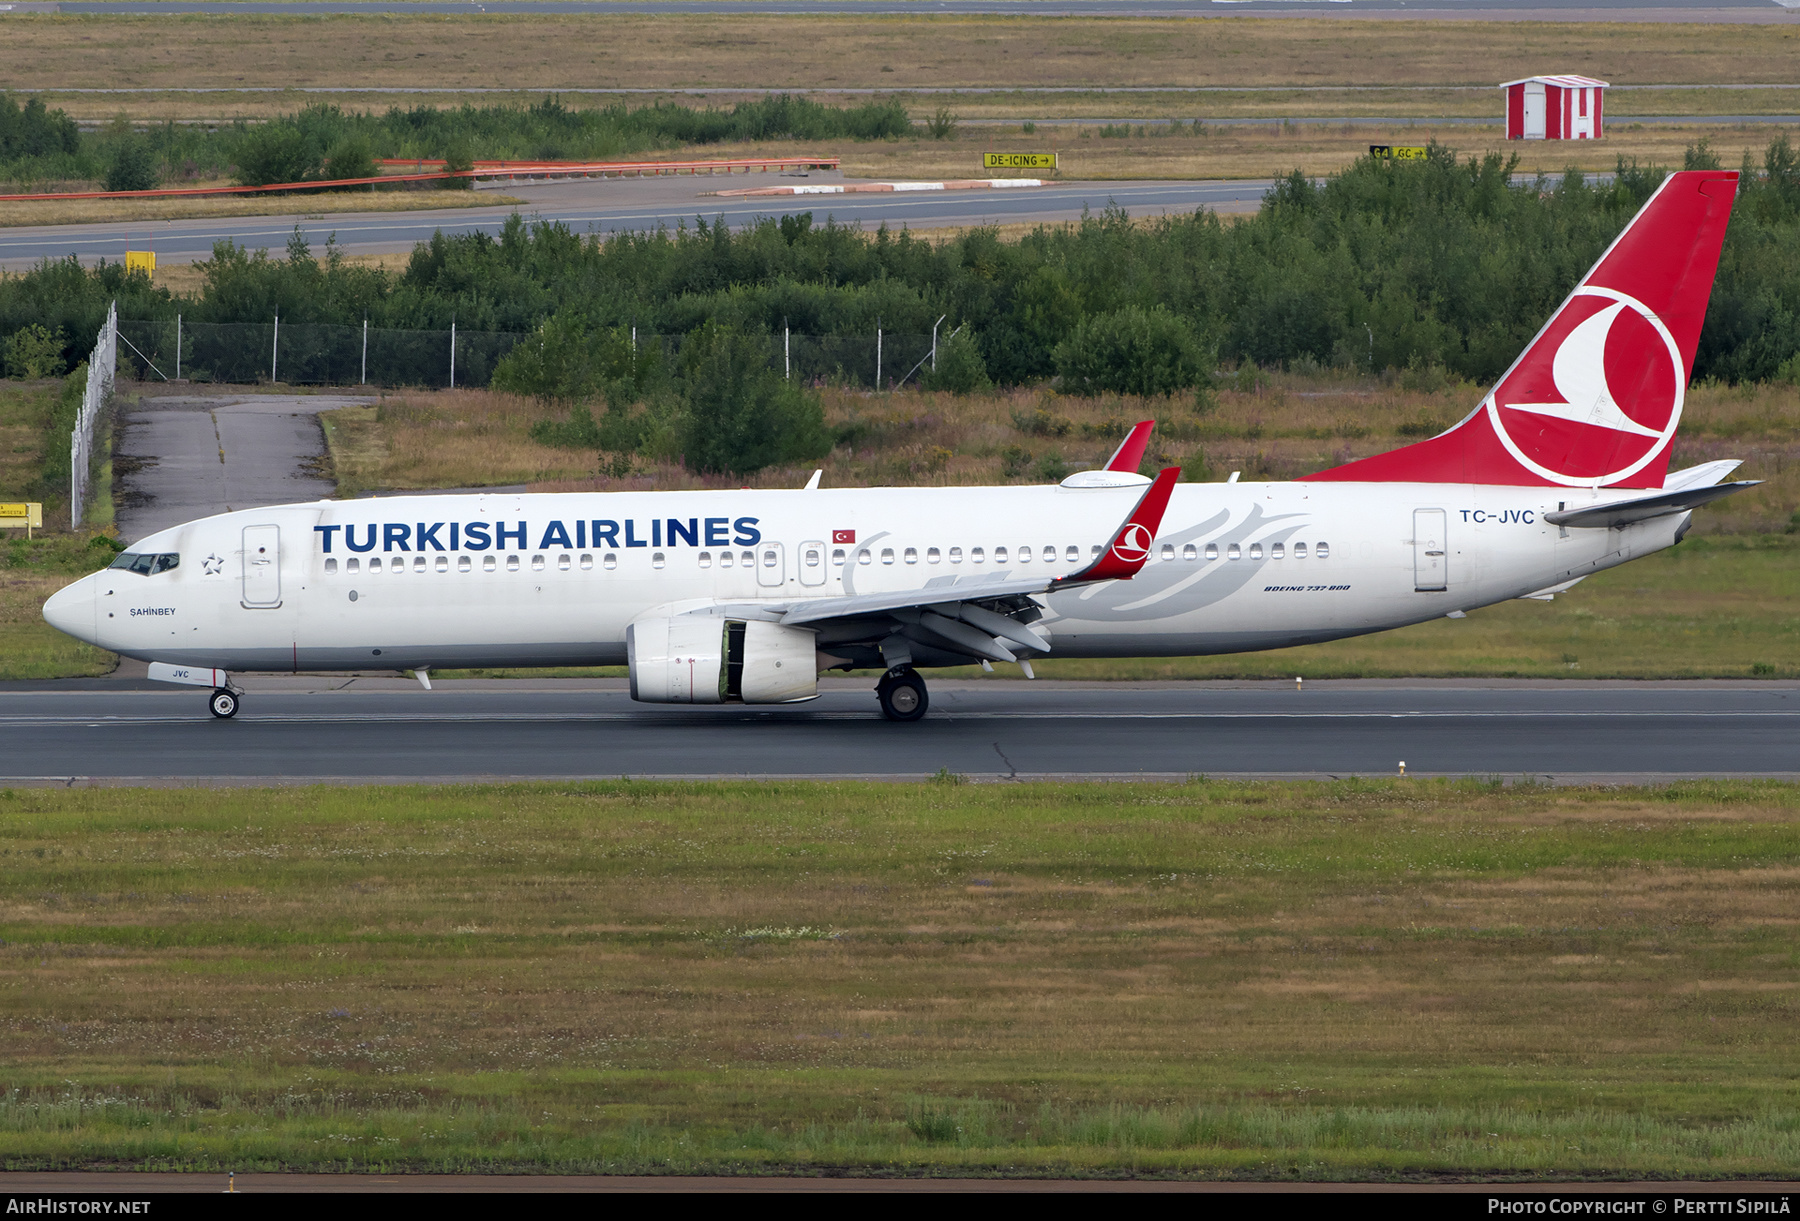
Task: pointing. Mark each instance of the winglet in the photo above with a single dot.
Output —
(1130, 547)
(1130, 454)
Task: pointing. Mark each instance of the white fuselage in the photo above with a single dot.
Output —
(541, 580)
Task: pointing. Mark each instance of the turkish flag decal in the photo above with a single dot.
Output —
(844, 536)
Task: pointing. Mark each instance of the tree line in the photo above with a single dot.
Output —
(39, 145)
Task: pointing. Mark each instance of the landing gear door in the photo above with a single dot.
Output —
(262, 567)
(1431, 568)
(812, 563)
(771, 565)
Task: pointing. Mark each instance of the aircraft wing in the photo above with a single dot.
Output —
(952, 620)
(1642, 508)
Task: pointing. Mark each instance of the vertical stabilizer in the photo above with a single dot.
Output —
(1596, 397)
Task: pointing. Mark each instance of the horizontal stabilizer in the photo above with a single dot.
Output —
(1624, 512)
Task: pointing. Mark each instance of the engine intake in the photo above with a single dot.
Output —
(694, 659)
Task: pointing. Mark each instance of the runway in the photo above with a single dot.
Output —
(614, 205)
(298, 729)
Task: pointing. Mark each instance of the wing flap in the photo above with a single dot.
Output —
(1643, 508)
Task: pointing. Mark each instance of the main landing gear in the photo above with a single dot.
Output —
(902, 694)
(223, 703)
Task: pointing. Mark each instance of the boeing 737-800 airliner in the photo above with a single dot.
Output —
(746, 596)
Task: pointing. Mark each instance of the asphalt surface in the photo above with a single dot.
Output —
(377, 729)
(614, 205)
(1490, 10)
(186, 457)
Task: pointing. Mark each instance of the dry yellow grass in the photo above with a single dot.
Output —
(1424, 103)
(1286, 427)
(1263, 150)
(691, 50)
(93, 211)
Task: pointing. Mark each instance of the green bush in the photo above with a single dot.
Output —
(740, 414)
(350, 158)
(459, 160)
(34, 352)
(275, 152)
(134, 167)
(1131, 351)
(568, 360)
(960, 369)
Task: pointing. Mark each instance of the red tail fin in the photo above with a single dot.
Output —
(1595, 398)
(1130, 454)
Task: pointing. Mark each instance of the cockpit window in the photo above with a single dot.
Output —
(146, 563)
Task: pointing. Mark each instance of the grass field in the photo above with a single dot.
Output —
(1372, 979)
(94, 211)
(47, 52)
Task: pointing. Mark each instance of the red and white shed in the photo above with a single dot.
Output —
(1553, 108)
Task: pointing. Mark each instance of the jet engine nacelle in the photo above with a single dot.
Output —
(695, 659)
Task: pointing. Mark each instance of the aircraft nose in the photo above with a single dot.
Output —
(71, 610)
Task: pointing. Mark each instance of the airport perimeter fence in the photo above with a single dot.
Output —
(305, 354)
(93, 399)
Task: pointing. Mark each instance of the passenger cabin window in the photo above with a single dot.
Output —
(512, 563)
(748, 559)
(1049, 555)
(956, 555)
(537, 563)
(564, 562)
(350, 565)
(464, 564)
(706, 559)
(443, 563)
(932, 555)
(374, 565)
(1025, 555)
(657, 559)
(910, 555)
(610, 562)
(330, 565)
(587, 561)
(769, 558)
(887, 555)
(1322, 550)
(976, 555)
(1073, 553)
(1168, 552)
(837, 557)
(1212, 551)
(1190, 552)
(812, 557)
(488, 563)
(999, 555)
(418, 563)
(1232, 552)
(865, 556)
(1276, 551)
(1256, 551)
(1299, 551)
(725, 560)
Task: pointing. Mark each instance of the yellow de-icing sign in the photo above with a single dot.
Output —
(140, 260)
(26, 517)
(1018, 161)
(1397, 152)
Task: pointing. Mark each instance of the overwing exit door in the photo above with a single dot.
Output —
(262, 566)
(1431, 568)
(771, 564)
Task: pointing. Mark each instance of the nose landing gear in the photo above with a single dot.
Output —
(223, 703)
(902, 694)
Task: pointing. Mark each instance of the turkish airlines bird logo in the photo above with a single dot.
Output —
(1597, 396)
(1133, 545)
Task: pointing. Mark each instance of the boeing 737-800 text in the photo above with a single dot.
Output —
(728, 596)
